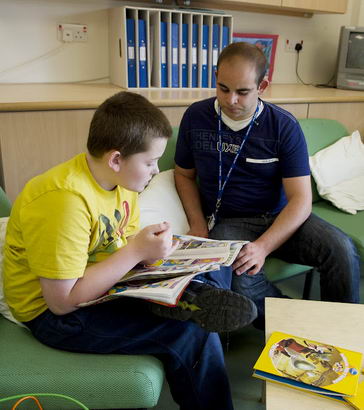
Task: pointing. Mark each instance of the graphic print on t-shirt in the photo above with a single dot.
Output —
(110, 232)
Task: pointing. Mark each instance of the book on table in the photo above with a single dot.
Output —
(165, 280)
(357, 401)
(311, 366)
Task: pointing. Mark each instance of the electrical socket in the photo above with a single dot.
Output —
(290, 45)
(72, 32)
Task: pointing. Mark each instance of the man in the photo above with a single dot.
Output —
(251, 161)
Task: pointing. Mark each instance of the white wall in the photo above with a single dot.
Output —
(320, 35)
(28, 31)
(30, 51)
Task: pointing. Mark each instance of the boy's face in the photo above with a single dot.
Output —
(236, 88)
(137, 170)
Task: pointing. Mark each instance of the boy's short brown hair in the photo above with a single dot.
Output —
(248, 52)
(126, 122)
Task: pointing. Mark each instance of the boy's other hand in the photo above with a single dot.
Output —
(155, 242)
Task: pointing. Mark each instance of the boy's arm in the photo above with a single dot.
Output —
(186, 185)
(64, 295)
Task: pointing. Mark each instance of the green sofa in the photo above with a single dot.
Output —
(113, 381)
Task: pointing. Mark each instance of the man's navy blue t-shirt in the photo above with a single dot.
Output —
(275, 149)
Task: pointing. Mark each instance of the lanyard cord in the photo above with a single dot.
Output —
(223, 184)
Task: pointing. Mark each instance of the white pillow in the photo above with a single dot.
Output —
(160, 202)
(4, 308)
(337, 170)
(339, 162)
(348, 195)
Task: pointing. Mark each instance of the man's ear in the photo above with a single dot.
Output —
(263, 85)
(114, 160)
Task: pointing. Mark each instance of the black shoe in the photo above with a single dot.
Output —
(214, 309)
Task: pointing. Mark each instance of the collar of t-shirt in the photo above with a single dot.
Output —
(240, 124)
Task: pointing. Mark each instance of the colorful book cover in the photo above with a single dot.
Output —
(164, 59)
(143, 65)
(184, 55)
(205, 56)
(308, 365)
(175, 54)
(194, 66)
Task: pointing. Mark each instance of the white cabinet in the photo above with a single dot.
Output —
(323, 6)
(303, 8)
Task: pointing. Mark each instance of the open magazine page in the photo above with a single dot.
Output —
(235, 247)
(166, 291)
(169, 268)
(193, 246)
(193, 254)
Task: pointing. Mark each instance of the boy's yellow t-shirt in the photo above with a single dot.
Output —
(62, 222)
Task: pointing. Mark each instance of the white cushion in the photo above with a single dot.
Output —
(4, 308)
(338, 171)
(160, 202)
(348, 195)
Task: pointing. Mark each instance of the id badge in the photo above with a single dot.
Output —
(211, 222)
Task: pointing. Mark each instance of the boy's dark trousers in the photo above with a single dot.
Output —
(193, 359)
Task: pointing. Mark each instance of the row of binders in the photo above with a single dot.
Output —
(163, 48)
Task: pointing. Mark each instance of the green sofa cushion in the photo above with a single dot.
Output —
(5, 204)
(352, 225)
(99, 381)
(277, 270)
(319, 134)
(167, 159)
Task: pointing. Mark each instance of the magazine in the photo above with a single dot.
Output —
(165, 280)
(304, 364)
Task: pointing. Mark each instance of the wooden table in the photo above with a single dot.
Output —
(340, 324)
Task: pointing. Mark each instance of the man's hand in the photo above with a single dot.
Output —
(251, 258)
(154, 242)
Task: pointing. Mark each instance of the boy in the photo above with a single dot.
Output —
(73, 233)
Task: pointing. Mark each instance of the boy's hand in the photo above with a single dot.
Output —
(154, 242)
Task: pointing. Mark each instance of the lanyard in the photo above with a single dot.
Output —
(222, 185)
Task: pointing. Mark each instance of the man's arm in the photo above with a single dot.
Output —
(187, 189)
(292, 216)
(63, 295)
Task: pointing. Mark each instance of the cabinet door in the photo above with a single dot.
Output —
(32, 142)
(256, 2)
(331, 6)
(350, 114)
(235, 4)
(298, 110)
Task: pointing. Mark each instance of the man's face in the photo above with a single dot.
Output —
(137, 170)
(236, 88)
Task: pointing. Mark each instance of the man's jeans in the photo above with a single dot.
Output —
(193, 358)
(316, 243)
